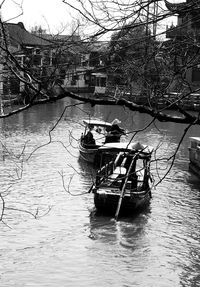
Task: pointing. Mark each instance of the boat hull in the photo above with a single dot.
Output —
(194, 155)
(88, 154)
(194, 169)
(93, 156)
(131, 203)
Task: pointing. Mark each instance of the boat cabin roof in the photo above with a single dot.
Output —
(196, 139)
(97, 123)
(127, 147)
(100, 75)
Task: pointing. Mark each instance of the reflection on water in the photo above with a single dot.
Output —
(105, 228)
(73, 245)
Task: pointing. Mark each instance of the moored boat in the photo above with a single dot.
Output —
(194, 155)
(123, 186)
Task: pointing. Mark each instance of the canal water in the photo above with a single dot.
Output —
(68, 244)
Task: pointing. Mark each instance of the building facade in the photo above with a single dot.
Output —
(29, 53)
(186, 35)
(88, 73)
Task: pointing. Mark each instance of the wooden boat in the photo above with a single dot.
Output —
(124, 185)
(89, 150)
(194, 155)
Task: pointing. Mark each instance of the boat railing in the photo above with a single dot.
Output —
(114, 174)
(104, 172)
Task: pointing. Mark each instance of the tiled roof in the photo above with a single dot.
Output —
(18, 35)
(182, 7)
(61, 38)
(88, 47)
(98, 46)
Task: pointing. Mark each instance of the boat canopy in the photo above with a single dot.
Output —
(127, 147)
(97, 123)
(197, 139)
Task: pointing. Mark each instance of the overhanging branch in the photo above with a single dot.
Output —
(186, 118)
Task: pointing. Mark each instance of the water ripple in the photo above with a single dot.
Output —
(74, 246)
